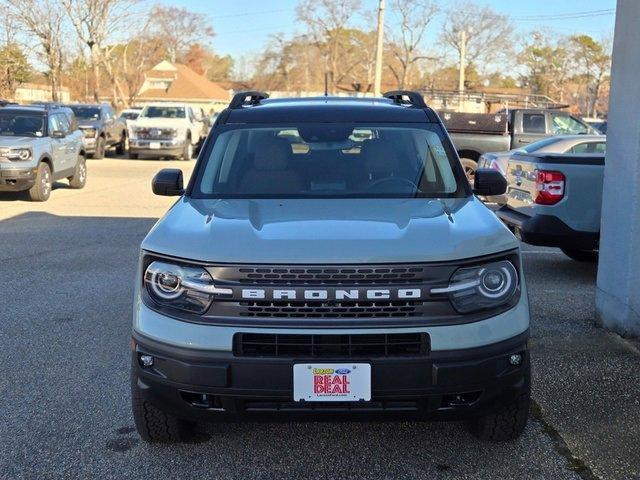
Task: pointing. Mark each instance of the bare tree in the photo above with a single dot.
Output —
(415, 17)
(477, 34)
(96, 22)
(178, 28)
(328, 22)
(43, 22)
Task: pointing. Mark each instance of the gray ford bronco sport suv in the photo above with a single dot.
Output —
(39, 145)
(329, 256)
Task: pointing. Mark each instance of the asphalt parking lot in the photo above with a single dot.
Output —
(67, 269)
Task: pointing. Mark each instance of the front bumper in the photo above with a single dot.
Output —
(442, 384)
(89, 144)
(547, 230)
(173, 147)
(17, 179)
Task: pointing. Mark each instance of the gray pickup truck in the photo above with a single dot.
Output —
(474, 134)
(555, 200)
(101, 129)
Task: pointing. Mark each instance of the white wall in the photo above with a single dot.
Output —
(618, 290)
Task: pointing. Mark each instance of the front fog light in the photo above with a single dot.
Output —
(478, 288)
(146, 360)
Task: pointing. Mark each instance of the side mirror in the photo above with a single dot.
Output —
(58, 134)
(168, 182)
(489, 182)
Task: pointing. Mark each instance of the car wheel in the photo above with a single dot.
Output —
(100, 146)
(123, 145)
(580, 255)
(154, 425)
(79, 178)
(470, 167)
(187, 152)
(506, 424)
(42, 188)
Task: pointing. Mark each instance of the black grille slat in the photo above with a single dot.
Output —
(324, 276)
(336, 309)
(329, 346)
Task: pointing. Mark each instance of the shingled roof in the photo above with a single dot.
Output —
(180, 84)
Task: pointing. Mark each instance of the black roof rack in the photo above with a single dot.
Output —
(406, 97)
(240, 99)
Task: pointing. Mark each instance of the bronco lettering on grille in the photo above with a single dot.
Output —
(332, 294)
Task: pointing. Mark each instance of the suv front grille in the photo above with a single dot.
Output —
(390, 275)
(327, 346)
(330, 310)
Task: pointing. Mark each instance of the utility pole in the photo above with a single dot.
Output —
(379, 45)
(463, 66)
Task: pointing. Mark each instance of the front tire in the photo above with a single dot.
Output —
(187, 152)
(580, 255)
(470, 166)
(154, 425)
(41, 190)
(100, 147)
(79, 178)
(121, 148)
(507, 423)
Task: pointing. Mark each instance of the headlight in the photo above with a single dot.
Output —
(478, 288)
(186, 288)
(21, 154)
(89, 132)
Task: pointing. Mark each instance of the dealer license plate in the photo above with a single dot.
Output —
(331, 382)
(154, 145)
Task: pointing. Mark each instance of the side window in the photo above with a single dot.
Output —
(533, 123)
(567, 125)
(54, 124)
(107, 113)
(63, 122)
(589, 147)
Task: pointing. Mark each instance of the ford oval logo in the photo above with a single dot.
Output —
(343, 371)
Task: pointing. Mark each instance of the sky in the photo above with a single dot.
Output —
(243, 26)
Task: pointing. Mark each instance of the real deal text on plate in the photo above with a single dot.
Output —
(326, 382)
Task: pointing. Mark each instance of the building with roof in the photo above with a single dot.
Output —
(177, 83)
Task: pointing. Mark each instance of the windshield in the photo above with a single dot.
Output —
(86, 113)
(331, 161)
(21, 125)
(163, 112)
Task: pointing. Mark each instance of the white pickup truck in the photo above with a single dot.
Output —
(165, 130)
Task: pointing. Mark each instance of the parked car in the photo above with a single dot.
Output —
(358, 274)
(165, 130)
(37, 147)
(474, 133)
(597, 123)
(101, 129)
(555, 200)
(561, 144)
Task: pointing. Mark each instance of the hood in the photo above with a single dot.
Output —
(158, 122)
(84, 123)
(336, 231)
(17, 142)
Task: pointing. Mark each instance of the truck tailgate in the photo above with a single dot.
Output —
(580, 205)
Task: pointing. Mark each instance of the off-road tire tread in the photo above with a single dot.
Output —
(73, 181)
(34, 193)
(156, 426)
(505, 425)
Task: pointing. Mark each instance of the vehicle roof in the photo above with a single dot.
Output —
(328, 109)
(90, 105)
(24, 109)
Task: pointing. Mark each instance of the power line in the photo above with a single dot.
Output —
(568, 16)
(247, 14)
